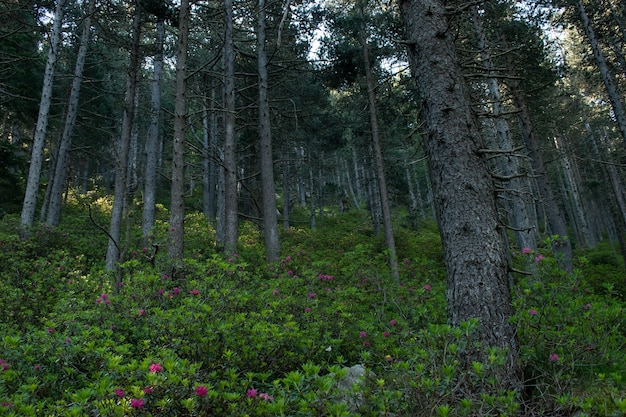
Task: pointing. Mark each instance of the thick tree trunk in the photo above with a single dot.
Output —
(37, 153)
(607, 77)
(378, 158)
(177, 196)
(152, 140)
(268, 187)
(231, 221)
(120, 192)
(58, 180)
(474, 249)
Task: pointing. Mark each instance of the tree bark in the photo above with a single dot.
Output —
(36, 161)
(120, 192)
(152, 141)
(58, 180)
(268, 187)
(231, 221)
(177, 196)
(474, 249)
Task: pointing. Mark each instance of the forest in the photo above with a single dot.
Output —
(313, 208)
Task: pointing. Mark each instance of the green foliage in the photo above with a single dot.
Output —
(237, 337)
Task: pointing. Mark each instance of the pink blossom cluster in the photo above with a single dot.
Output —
(104, 298)
(252, 393)
(3, 365)
(323, 277)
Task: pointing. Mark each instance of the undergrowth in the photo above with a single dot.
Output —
(237, 337)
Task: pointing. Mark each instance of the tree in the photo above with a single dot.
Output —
(607, 77)
(177, 206)
(123, 146)
(34, 173)
(378, 154)
(60, 169)
(152, 141)
(231, 220)
(474, 249)
(270, 220)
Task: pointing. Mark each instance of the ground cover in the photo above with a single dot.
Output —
(232, 336)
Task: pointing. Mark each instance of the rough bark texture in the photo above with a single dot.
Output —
(231, 220)
(36, 161)
(60, 170)
(270, 220)
(474, 250)
(152, 140)
(177, 196)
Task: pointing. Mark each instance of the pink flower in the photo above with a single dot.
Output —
(137, 403)
(362, 334)
(287, 258)
(275, 292)
(290, 272)
(307, 309)
(176, 290)
(386, 334)
(554, 357)
(201, 391)
(426, 287)
(526, 251)
(194, 292)
(532, 312)
(50, 330)
(311, 295)
(539, 258)
(367, 344)
(119, 392)
(164, 276)
(148, 390)
(142, 311)
(156, 367)
(37, 367)
(392, 322)
(251, 393)
(266, 396)
(161, 291)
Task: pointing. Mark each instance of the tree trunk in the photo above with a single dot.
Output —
(177, 207)
(231, 233)
(378, 157)
(514, 189)
(152, 140)
(270, 221)
(562, 246)
(607, 77)
(36, 161)
(58, 180)
(120, 192)
(209, 145)
(474, 249)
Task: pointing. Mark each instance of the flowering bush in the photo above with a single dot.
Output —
(235, 337)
